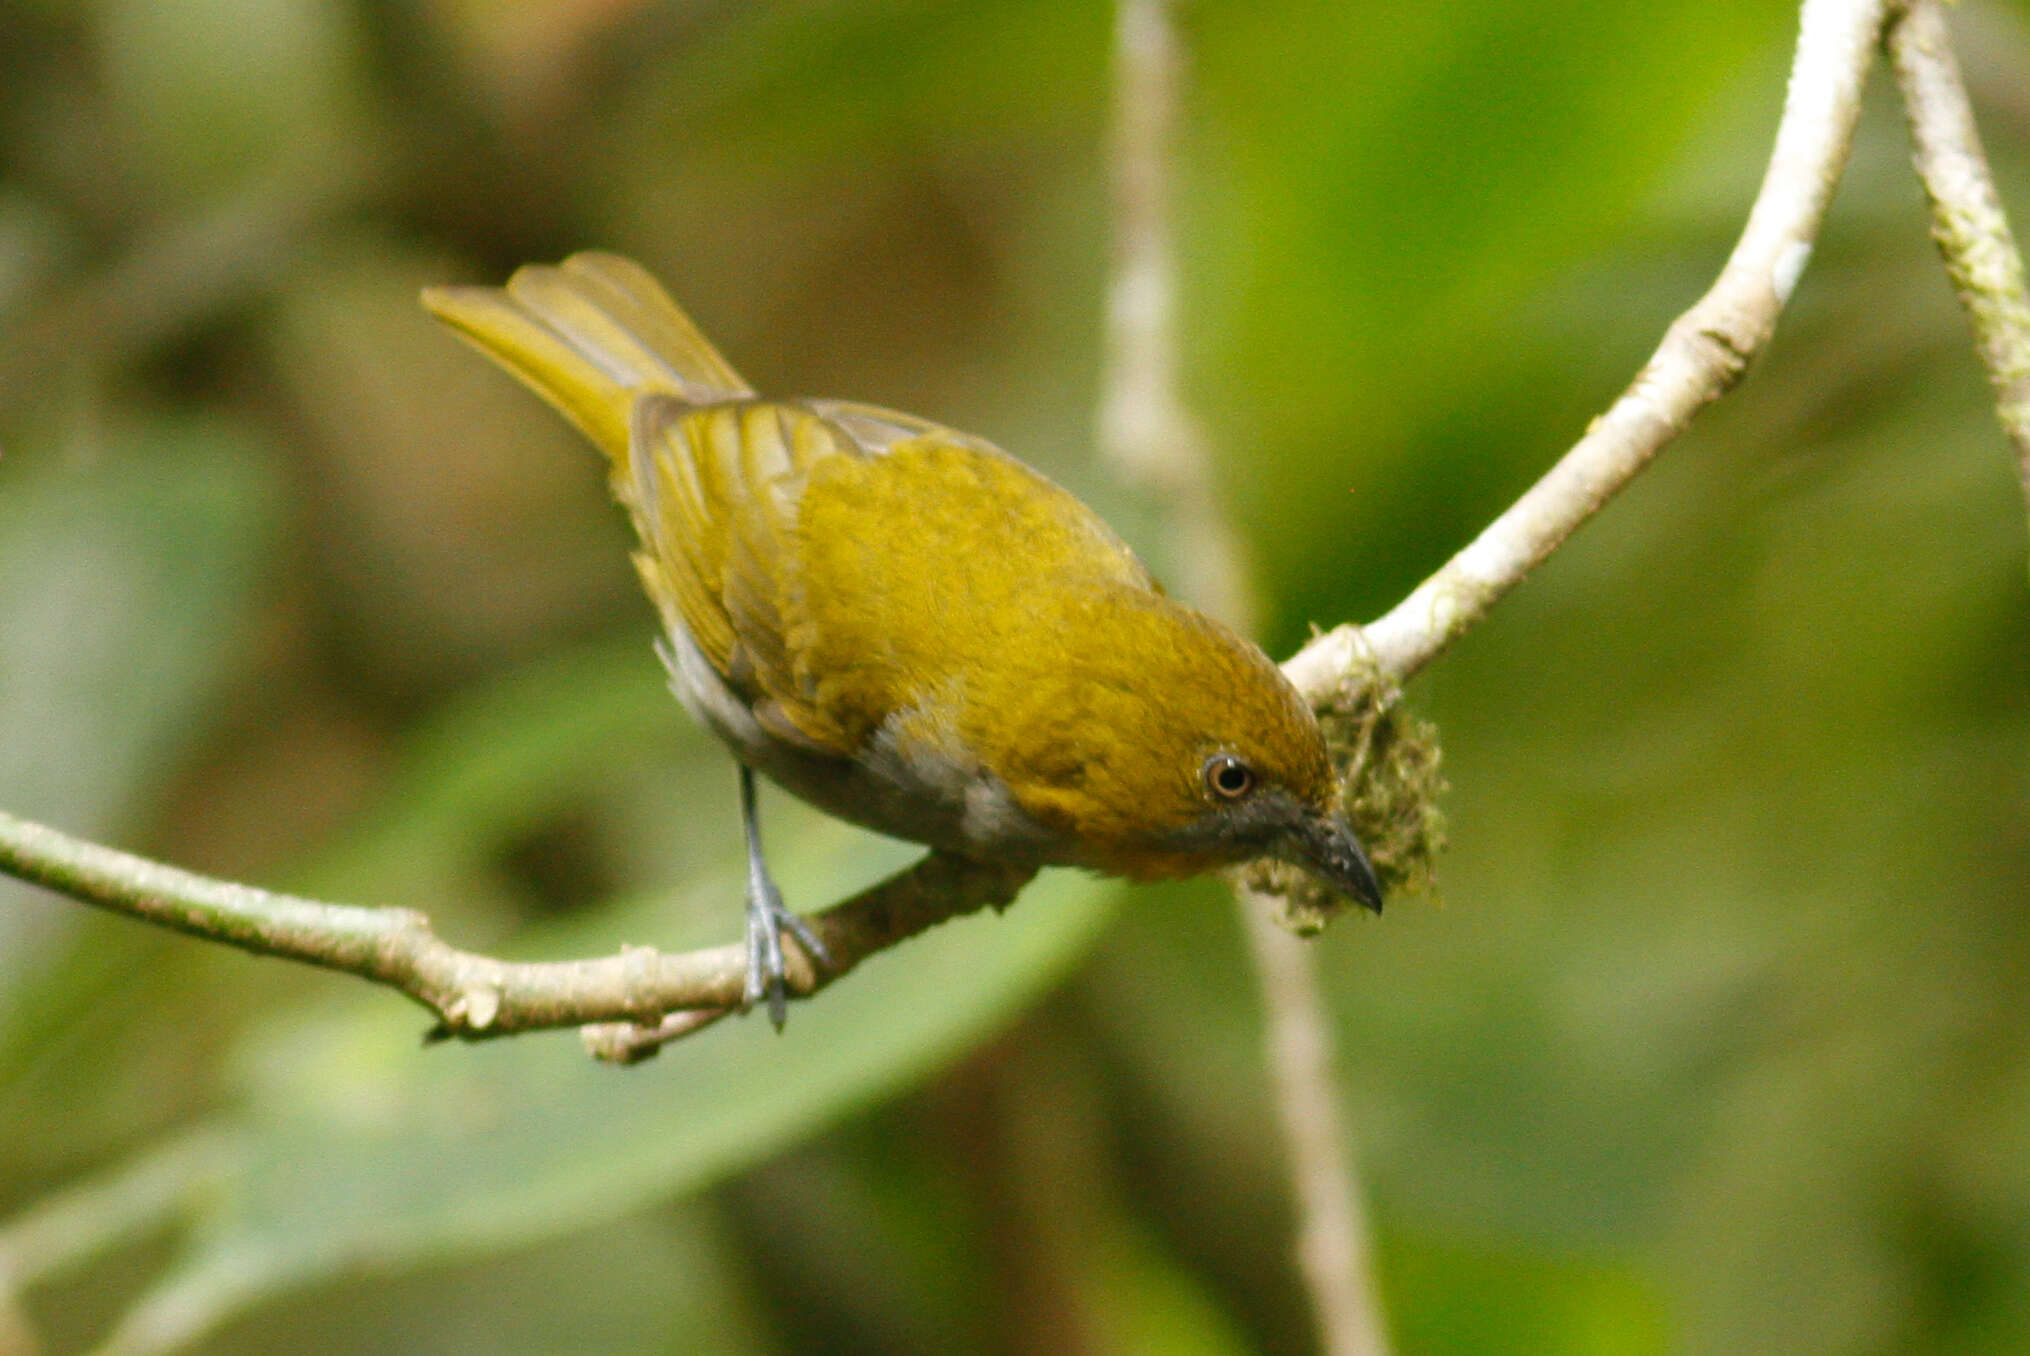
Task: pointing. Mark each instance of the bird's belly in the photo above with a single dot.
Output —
(967, 811)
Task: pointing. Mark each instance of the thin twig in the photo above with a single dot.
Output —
(1147, 430)
(1967, 220)
(1333, 1252)
(1702, 355)
(477, 996)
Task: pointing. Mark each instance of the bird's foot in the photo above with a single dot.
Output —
(767, 916)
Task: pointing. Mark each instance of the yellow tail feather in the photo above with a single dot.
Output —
(590, 336)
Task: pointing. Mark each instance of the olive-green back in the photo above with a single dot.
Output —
(835, 562)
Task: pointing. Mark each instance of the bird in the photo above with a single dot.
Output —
(907, 627)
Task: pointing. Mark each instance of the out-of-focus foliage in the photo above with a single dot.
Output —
(1716, 1043)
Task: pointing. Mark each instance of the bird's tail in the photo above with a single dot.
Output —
(591, 336)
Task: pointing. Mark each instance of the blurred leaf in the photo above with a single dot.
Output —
(664, 1281)
(125, 577)
(500, 759)
(139, 556)
(365, 1150)
(368, 1152)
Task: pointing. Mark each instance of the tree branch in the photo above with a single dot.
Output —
(1702, 354)
(1967, 220)
(1334, 1256)
(1145, 429)
(477, 996)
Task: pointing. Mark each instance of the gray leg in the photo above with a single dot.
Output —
(767, 917)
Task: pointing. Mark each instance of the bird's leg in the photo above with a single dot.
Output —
(767, 916)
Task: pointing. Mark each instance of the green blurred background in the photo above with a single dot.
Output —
(1717, 1041)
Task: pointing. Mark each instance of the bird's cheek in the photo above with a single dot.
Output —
(1142, 863)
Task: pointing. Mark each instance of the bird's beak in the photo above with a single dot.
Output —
(1325, 845)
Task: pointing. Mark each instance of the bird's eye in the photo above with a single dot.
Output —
(1228, 777)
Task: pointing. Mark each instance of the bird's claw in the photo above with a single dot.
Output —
(767, 976)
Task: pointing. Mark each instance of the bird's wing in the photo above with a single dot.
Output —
(716, 489)
(836, 562)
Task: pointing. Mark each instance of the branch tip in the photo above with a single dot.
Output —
(1968, 222)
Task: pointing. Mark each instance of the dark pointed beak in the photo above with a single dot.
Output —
(1326, 846)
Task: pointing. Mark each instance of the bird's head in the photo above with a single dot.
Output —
(1176, 748)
